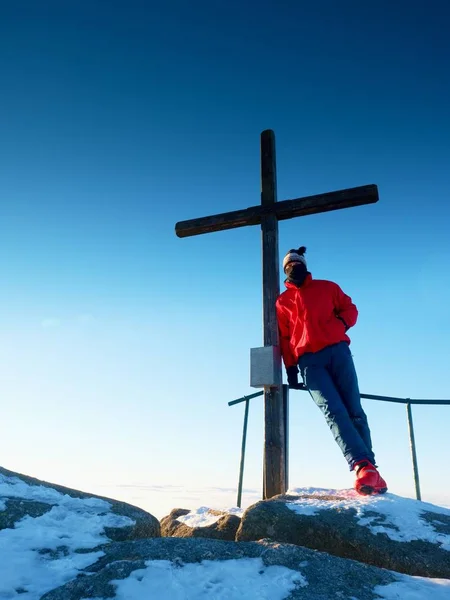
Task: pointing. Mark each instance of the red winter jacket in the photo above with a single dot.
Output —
(307, 317)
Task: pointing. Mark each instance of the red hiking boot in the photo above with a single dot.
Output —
(368, 480)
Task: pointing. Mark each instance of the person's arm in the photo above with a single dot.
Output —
(288, 357)
(285, 338)
(346, 311)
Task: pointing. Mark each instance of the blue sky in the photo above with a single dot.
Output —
(122, 344)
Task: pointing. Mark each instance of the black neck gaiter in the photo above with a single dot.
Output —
(297, 273)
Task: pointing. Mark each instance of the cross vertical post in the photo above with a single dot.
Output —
(274, 475)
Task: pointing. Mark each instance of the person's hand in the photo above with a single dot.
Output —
(292, 376)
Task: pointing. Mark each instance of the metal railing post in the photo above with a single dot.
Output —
(244, 441)
(412, 443)
(286, 432)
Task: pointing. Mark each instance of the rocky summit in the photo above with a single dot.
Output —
(61, 544)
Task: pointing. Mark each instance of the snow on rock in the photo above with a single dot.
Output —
(415, 588)
(239, 579)
(204, 516)
(387, 531)
(49, 534)
(204, 569)
(401, 519)
(203, 522)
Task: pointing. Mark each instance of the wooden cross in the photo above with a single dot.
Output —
(267, 214)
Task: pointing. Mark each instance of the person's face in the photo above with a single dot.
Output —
(290, 265)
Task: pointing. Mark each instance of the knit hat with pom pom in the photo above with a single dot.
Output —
(295, 256)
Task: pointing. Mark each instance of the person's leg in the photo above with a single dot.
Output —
(314, 368)
(343, 374)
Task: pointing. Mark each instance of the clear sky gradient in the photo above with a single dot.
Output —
(122, 344)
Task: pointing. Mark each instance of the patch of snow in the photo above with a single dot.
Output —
(202, 517)
(39, 555)
(14, 487)
(415, 588)
(236, 579)
(403, 517)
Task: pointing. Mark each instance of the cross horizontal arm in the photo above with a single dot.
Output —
(286, 209)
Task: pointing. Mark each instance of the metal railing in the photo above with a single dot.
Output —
(408, 401)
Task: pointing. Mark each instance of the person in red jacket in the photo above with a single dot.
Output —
(313, 319)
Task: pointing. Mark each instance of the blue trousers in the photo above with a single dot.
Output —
(330, 377)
